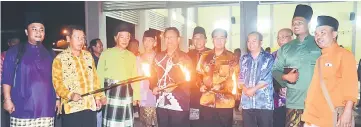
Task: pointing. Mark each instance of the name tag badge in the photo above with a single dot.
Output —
(328, 64)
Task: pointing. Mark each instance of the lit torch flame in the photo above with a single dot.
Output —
(234, 90)
(146, 69)
(186, 73)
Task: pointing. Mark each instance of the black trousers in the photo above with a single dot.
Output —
(257, 118)
(171, 118)
(198, 122)
(194, 103)
(5, 117)
(279, 117)
(86, 118)
(216, 117)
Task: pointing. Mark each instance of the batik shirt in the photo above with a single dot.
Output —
(217, 70)
(256, 71)
(195, 93)
(76, 74)
(168, 70)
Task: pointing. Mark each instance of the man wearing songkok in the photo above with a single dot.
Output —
(334, 81)
(29, 95)
(199, 40)
(294, 65)
(147, 110)
(116, 64)
(170, 67)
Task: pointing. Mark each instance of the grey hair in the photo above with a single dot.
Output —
(287, 30)
(259, 35)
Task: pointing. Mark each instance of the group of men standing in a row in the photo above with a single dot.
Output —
(36, 82)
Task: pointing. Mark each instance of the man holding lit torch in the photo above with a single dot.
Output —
(256, 80)
(171, 68)
(74, 74)
(117, 64)
(218, 68)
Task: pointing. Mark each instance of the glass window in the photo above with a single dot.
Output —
(236, 29)
(358, 32)
(282, 18)
(211, 19)
(264, 24)
(342, 14)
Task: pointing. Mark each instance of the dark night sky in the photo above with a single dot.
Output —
(56, 16)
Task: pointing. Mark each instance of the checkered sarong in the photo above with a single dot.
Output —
(39, 122)
(119, 110)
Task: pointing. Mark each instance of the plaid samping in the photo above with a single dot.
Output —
(38, 122)
(119, 111)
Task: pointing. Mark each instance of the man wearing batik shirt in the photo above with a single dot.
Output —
(29, 95)
(285, 35)
(256, 79)
(172, 103)
(294, 65)
(199, 40)
(74, 74)
(217, 67)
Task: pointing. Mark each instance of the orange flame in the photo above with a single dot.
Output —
(186, 73)
(146, 69)
(234, 90)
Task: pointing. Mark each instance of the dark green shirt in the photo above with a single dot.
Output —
(300, 55)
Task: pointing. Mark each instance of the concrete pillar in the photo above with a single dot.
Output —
(249, 17)
(95, 21)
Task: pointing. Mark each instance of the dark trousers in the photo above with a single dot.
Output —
(86, 118)
(5, 117)
(58, 121)
(279, 117)
(236, 106)
(194, 103)
(216, 117)
(171, 118)
(198, 122)
(257, 118)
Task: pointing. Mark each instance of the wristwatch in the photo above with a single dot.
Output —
(5, 99)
